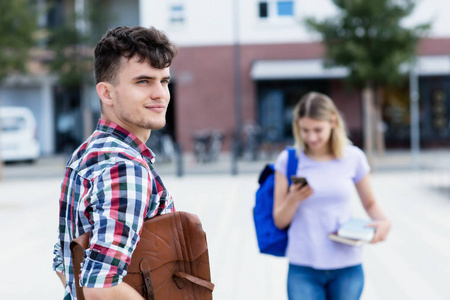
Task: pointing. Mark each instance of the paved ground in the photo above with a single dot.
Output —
(413, 264)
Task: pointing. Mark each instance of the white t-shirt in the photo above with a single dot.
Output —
(333, 183)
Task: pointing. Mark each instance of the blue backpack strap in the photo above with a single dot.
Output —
(292, 164)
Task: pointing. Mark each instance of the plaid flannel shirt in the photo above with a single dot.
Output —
(109, 188)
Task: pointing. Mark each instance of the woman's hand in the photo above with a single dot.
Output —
(381, 223)
(287, 199)
(298, 193)
(382, 228)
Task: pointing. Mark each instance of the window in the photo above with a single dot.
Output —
(263, 12)
(13, 123)
(176, 13)
(285, 8)
(273, 9)
(55, 14)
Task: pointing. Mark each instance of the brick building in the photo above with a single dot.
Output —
(277, 62)
(242, 62)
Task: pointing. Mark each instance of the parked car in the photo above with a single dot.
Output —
(18, 135)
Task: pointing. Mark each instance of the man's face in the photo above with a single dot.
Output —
(140, 96)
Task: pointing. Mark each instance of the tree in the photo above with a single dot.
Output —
(367, 37)
(72, 43)
(72, 57)
(18, 23)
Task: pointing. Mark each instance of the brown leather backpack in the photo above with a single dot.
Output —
(170, 262)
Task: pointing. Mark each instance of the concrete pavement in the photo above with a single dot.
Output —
(396, 160)
(413, 264)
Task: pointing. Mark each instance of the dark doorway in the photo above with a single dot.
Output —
(276, 102)
(68, 119)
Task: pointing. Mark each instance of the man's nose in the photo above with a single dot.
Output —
(158, 91)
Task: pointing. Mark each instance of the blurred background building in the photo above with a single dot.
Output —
(279, 61)
(241, 68)
(65, 110)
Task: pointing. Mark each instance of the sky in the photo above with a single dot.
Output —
(436, 12)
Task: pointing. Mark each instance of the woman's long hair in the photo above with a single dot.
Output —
(320, 107)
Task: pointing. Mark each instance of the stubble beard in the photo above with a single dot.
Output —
(147, 124)
(153, 125)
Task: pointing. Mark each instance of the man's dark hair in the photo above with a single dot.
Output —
(145, 43)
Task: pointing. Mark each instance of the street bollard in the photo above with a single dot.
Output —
(179, 160)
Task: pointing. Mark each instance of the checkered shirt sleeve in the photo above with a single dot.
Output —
(117, 210)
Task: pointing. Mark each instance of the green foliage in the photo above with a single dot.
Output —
(72, 55)
(98, 18)
(17, 25)
(73, 49)
(367, 37)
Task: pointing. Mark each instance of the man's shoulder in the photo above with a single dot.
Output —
(103, 152)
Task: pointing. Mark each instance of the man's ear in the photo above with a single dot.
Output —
(104, 90)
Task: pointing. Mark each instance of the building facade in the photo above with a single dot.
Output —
(248, 62)
(241, 64)
(64, 115)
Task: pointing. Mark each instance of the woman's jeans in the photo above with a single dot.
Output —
(306, 283)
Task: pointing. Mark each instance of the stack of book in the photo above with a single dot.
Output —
(354, 232)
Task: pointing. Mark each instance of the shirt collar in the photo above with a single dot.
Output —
(127, 137)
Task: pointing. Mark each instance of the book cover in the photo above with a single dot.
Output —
(352, 242)
(357, 229)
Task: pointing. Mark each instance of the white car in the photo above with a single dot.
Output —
(18, 135)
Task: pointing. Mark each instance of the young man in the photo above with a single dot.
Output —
(110, 185)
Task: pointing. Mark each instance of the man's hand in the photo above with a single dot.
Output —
(120, 291)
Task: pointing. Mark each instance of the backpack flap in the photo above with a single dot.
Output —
(175, 236)
(267, 171)
(174, 250)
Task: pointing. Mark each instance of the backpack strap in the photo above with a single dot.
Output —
(292, 164)
(77, 248)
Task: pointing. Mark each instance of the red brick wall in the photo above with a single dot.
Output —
(434, 46)
(204, 91)
(348, 103)
(204, 85)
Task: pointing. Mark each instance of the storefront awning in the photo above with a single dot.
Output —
(314, 69)
(437, 65)
(294, 69)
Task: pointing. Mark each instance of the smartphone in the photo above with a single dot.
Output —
(297, 179)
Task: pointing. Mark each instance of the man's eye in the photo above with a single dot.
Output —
(165, 81)
(142, 81)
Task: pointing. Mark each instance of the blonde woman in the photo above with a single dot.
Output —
(318, 267)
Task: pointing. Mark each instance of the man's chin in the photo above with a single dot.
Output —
(155, 126)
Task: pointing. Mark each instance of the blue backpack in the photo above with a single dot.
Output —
(271, 240)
